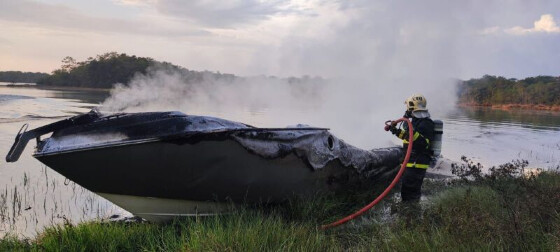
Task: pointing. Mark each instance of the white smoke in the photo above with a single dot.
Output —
(371, 59)
(247, 99)
(353, 112)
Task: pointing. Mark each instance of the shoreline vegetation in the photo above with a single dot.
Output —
(21, 77)
(506, 209)
(60, 88)
(542, 107)
(496, 92)
(106, 70)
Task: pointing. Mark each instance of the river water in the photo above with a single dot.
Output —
(32, 196)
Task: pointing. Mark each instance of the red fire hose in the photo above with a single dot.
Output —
(388, 189)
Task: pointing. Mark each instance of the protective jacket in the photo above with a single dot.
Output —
(423, 129)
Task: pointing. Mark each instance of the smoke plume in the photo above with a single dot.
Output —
(370, 59)
(352, 112)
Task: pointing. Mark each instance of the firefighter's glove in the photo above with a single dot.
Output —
(394, 130)
(392, 127)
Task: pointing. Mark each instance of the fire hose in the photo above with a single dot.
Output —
(388, 189)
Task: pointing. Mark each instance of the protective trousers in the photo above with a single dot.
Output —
(411, 184)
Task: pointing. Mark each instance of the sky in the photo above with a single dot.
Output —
(332, 39)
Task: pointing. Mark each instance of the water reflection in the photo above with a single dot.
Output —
(547, 120)
(493, 137)
(90, 96)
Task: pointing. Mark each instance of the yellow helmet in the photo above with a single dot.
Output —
(416, 102)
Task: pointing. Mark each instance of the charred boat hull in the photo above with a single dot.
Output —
(210, 171)
(161, 166)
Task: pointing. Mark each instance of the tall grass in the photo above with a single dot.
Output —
(33, 202)
(497, 211)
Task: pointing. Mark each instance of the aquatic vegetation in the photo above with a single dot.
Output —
(34, 202)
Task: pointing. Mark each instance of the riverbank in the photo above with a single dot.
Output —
(57, 88)
(503, 210)
(542, 107)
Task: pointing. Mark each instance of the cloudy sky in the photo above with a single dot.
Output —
(464, 39)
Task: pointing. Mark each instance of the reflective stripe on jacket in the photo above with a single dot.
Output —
(423, 129)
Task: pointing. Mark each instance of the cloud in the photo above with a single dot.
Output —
(4, 41)
(217, 13)
(135, 2)
(545, 24)
(489, 30)
(58, 16)
(383, 39)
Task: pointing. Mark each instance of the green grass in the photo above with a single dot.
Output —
(490, 213)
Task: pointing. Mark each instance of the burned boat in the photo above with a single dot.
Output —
(159, 165)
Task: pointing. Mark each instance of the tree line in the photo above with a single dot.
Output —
(100, 72)
(493, 90)
(105, 70)
(21, 77)
(111, 68)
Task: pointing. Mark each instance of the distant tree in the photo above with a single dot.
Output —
(68, 63)
(108, 69)
(499, 90)
(103, 71)
(22, 77)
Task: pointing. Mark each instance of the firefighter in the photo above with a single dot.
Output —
(423, 129)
